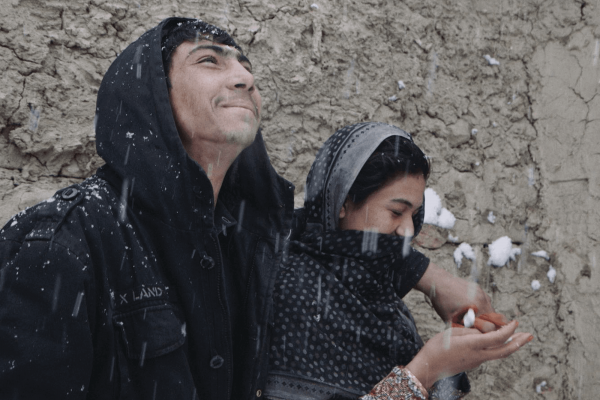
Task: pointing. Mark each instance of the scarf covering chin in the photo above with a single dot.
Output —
(339, 314)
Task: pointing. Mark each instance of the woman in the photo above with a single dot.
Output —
(340, 325)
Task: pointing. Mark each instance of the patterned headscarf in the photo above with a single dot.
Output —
(336, 166)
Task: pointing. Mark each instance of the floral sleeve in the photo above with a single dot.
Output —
(400, 384)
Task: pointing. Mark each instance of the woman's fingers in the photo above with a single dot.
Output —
(460, 349)
(462, 331)
(485, 322)
(514, 343)
(495, 318)
(483, 325)
(497, 338)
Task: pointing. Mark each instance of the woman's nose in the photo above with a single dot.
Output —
(406, 227)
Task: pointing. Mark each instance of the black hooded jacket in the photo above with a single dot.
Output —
(127, 285)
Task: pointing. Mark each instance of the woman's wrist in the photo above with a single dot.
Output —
(416, 382)
(421, 370)
(398, 385)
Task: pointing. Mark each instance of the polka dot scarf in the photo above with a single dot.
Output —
(340, 319)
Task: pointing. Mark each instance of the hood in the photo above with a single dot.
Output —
(137, 137)
(336, 166)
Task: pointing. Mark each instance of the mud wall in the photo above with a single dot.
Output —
(502, 94)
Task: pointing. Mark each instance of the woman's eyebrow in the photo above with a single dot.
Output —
(402, 201)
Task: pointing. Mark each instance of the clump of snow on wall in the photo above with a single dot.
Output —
(514, 253)
(464, 250)
(435, 214)
(501, 251)
(535, 284)
(540, 387)
(491, 60)
(551, 274)
(541, 253)
(491, 217)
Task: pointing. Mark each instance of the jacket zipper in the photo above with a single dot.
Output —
(225, 312)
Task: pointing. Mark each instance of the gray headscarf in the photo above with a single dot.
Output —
(336, 166)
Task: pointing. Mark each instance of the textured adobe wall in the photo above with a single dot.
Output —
(532, 162)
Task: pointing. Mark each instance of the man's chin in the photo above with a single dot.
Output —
(243, 137)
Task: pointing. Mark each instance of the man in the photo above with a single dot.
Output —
(152, 279)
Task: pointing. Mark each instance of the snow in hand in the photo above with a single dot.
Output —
(469, 318)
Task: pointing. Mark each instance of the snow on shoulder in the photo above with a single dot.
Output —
(434, 213)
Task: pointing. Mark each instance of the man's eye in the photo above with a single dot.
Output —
(209, 59)
(397, 213)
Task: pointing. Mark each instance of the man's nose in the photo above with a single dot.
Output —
(242, 78)
(406, 227)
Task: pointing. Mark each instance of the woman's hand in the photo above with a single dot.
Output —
(459, 349)
(451, 295)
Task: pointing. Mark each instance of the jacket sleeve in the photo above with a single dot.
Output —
(45, 334)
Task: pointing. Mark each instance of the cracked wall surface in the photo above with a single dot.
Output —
(518, 138)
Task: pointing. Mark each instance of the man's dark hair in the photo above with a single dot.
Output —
(177, 32)
(394, 156)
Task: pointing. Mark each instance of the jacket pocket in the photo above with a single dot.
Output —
(150, 332)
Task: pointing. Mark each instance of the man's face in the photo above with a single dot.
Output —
(213, 94)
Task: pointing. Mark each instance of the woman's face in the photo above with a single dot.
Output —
(388, 210)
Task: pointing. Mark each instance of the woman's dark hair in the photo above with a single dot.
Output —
(394, 156)
(176, 32)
